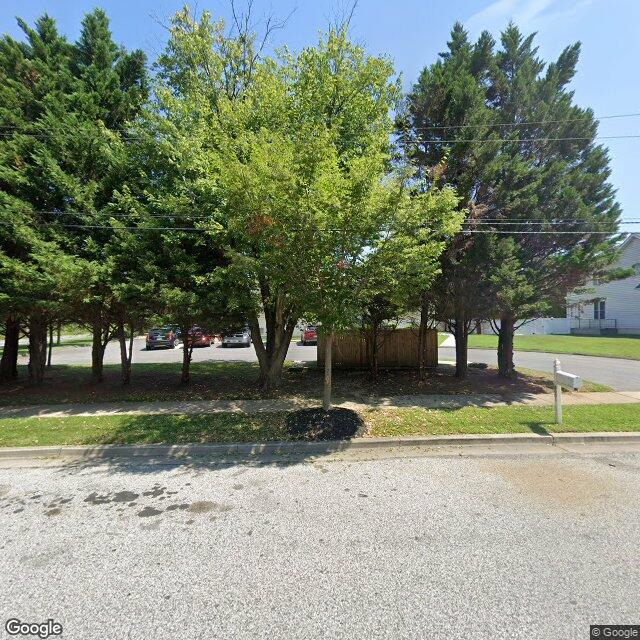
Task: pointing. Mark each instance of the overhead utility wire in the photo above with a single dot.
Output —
(542, 138)
(483, 221)
(199, 229)
(519, 124)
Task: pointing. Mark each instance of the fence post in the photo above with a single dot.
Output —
(557, 391)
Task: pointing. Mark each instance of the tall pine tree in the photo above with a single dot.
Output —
(524, 159)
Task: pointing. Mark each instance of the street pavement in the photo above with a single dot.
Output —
(619, 374)
(489, 546)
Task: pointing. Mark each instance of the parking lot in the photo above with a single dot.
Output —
(82, 354)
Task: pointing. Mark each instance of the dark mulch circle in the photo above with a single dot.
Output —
(317, 424)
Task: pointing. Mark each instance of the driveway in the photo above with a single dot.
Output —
(620, 375)
(494, 546)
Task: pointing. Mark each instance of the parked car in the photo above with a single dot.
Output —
(309, 334)
(239, 339)
(163, 338)
(199, 338)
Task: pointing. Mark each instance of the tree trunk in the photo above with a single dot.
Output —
(50, 347)
(271, 356)
(506, 368)
(37, 347)
(125, 357)
(98, 346)
(187, 352)
(326, 391)
(422, 339)
(461, 333)
(58, 332)
(372, 338)
(9, 361)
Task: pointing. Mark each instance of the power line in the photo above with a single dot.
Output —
(124, 215)
(546, 223)
(545, 139)
(586, 232)
(112, 228)
(538, 220)
(475, 221)
(200, 229)
(521, 124)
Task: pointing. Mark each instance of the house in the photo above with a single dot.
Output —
(611, 307)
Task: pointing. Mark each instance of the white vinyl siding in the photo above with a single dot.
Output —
(621, 297)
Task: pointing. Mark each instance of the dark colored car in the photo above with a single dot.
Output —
(199, 338)
(163, 338)
(239, 339)
(309, 334)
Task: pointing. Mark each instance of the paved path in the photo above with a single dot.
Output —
(195, 407)
(490, 546)
(619, 374)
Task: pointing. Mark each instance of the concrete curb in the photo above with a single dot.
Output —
(187, 451)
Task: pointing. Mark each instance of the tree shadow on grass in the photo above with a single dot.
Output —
(214, 441)
(538, 428)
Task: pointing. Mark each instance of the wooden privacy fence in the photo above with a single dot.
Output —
(399, 349)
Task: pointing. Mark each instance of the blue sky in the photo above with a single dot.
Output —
(413, 32)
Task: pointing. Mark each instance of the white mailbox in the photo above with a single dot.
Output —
(568, 380)
(563, 379)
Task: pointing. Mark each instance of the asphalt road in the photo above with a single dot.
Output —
(519, 547)
(619, 374)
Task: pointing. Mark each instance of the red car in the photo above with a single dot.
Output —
(309, 334)
(199, 338)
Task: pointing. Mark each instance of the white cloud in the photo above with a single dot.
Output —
(530, 15)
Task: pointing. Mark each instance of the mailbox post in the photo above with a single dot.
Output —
(563, 379)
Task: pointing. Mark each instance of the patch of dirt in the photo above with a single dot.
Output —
(318, 424)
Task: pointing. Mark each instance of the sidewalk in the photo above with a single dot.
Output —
(196, 407)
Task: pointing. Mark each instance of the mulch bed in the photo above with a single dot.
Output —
(318, 424)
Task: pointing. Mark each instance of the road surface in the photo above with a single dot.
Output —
(619, 374)
(494, 546)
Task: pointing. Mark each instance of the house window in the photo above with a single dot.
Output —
(636, 268)
(599, 310)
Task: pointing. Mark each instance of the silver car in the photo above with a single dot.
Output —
(240, 339)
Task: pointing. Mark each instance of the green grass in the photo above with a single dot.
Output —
(419, 422)
(265, 427)
(442, 337)
(151, 429)
(609, 346)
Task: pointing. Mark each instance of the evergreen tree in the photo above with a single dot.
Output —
(64, 152)
(524, 158)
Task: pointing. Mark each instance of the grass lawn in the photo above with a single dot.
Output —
(264, 427)
(610, 346)
(224, 380)
(153, 429)
(422, 422)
